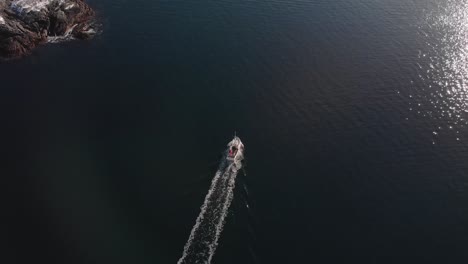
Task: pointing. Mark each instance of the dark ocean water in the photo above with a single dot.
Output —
(353, 114)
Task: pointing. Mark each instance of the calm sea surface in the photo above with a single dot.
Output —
(353, 113)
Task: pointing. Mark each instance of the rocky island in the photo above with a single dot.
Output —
(25, 24)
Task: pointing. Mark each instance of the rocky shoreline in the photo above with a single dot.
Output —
(25, 24)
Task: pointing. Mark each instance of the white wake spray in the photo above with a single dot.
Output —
(205, 234)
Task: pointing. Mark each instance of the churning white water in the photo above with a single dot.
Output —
(205, 234)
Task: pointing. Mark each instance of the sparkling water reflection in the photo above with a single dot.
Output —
(443, 67)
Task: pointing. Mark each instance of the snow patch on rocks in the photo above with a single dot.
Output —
(27, 6)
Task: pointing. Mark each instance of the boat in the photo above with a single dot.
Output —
(235, 151)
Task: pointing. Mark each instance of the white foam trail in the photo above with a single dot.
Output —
(205, 234)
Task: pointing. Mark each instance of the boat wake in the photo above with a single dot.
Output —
(205, 234)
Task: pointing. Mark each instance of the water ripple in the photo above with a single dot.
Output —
(443, 66)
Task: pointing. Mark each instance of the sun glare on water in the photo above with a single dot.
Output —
(443, 67)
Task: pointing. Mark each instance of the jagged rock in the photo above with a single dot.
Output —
(24, 24)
